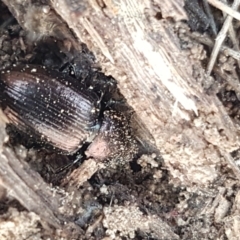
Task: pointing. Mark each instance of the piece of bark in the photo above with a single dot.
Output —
(82, 173)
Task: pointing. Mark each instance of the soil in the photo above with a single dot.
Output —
(142, 199)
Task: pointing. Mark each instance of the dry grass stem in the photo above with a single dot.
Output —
(220, 38)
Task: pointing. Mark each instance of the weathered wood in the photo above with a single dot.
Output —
(26, 185)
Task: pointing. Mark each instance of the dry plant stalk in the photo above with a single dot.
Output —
(223, 7)
(220, 38)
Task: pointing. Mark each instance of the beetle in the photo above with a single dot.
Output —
(64, 113)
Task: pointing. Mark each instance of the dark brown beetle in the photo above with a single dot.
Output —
(62, 112)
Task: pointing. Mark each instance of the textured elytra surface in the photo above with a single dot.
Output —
(50, 105)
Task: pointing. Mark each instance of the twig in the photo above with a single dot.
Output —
(207, 41)
(223, 7)
(83, 173)
(220, 38)
(232, 35)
